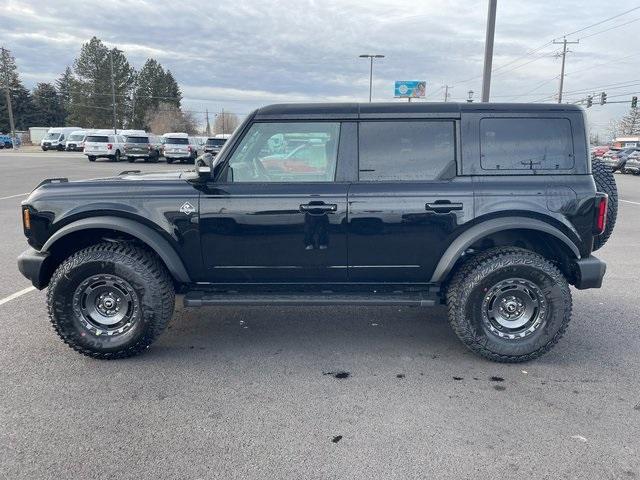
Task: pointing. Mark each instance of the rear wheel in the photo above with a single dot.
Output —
(606, 182)
(131, 159)
(110, 300)
(44, 149)
(92, 158)
(169, 160)
(509, 304)
(116, 156)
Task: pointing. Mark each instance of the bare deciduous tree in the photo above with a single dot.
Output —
(167, 117)
(225, 123)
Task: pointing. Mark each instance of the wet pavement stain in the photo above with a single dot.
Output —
(400, 375)
(458, 378)
(496, 379)
(500, 388)
(339, 375)
(336, 439)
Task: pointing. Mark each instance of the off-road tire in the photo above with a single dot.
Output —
(473, 279)
(143, 271)
(606, 182)
(92, 158)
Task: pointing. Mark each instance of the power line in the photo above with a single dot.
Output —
(601, 22)
(611, 28)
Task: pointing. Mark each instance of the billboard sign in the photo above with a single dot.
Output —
(410, 89)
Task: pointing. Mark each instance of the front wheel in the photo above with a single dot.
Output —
(92, 158)
(44, 149)
(110, 300)
(509, 304)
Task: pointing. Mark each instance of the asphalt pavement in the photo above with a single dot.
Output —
(314, 393)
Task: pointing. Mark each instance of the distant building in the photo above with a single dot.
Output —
(624, 142)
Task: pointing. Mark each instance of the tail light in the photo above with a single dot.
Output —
(189, 148)
(109, 146)
(602, 205)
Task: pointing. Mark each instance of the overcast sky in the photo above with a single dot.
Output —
(242, 54)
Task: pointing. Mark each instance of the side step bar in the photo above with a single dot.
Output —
(206, 299)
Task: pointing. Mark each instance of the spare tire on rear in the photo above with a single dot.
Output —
(606, 183)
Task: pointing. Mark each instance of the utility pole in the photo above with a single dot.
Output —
(564, 43)
(488, 50)
(371, 57)
(446, 93)
(133, 102)
(208, 124)
(113, 93)
(5, 78)
(224, 127)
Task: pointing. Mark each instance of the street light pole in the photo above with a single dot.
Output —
(371, 57)
(488, 50)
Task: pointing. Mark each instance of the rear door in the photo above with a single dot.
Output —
(278, 214)
(407, 201)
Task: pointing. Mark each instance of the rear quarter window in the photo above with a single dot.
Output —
(526, 144)
(97, 139)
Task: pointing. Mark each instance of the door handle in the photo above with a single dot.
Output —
(443, 206)
(318, 208)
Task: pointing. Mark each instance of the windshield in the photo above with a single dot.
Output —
(177, 141)
(97, 138)
(215, 142)
(137, 140)
(76, 137)
(52, 136)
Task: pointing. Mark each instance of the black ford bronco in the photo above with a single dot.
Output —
(491, 209)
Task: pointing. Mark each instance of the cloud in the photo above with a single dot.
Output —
(239, 55)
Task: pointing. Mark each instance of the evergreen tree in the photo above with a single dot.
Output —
(91, 99)
(153, 86)
(47, 107)
(20, 97)
(65, 85)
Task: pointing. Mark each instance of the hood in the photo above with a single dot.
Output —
(127, 184)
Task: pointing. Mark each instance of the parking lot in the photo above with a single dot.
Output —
(326, 392)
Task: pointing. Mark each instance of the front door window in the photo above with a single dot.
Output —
(286, 152)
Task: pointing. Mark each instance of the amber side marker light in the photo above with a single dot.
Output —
(26, 218)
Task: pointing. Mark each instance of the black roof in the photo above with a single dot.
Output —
(365, 110)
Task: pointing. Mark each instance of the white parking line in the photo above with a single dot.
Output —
(629, 201)
(14, 196)
(16, 295)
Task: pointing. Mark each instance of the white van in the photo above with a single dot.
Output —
(56, 138)
(75, 141)
(180, 147)
(104, 144)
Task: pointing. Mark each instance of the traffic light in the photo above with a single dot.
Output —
(589, 101)
(603, 98)
(634, 101)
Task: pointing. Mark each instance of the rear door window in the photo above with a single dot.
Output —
(526, 144)
(406, 150)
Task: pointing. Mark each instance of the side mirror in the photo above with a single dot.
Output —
(204, 165)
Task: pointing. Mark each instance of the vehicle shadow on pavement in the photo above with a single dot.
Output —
(315, 330)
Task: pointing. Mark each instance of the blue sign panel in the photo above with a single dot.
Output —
(410, 88)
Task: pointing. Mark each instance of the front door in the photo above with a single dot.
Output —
(407, 201)
(277, 214)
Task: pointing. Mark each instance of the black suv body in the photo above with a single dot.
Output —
(489, 208)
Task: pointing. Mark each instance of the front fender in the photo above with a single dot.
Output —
(145, 234)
